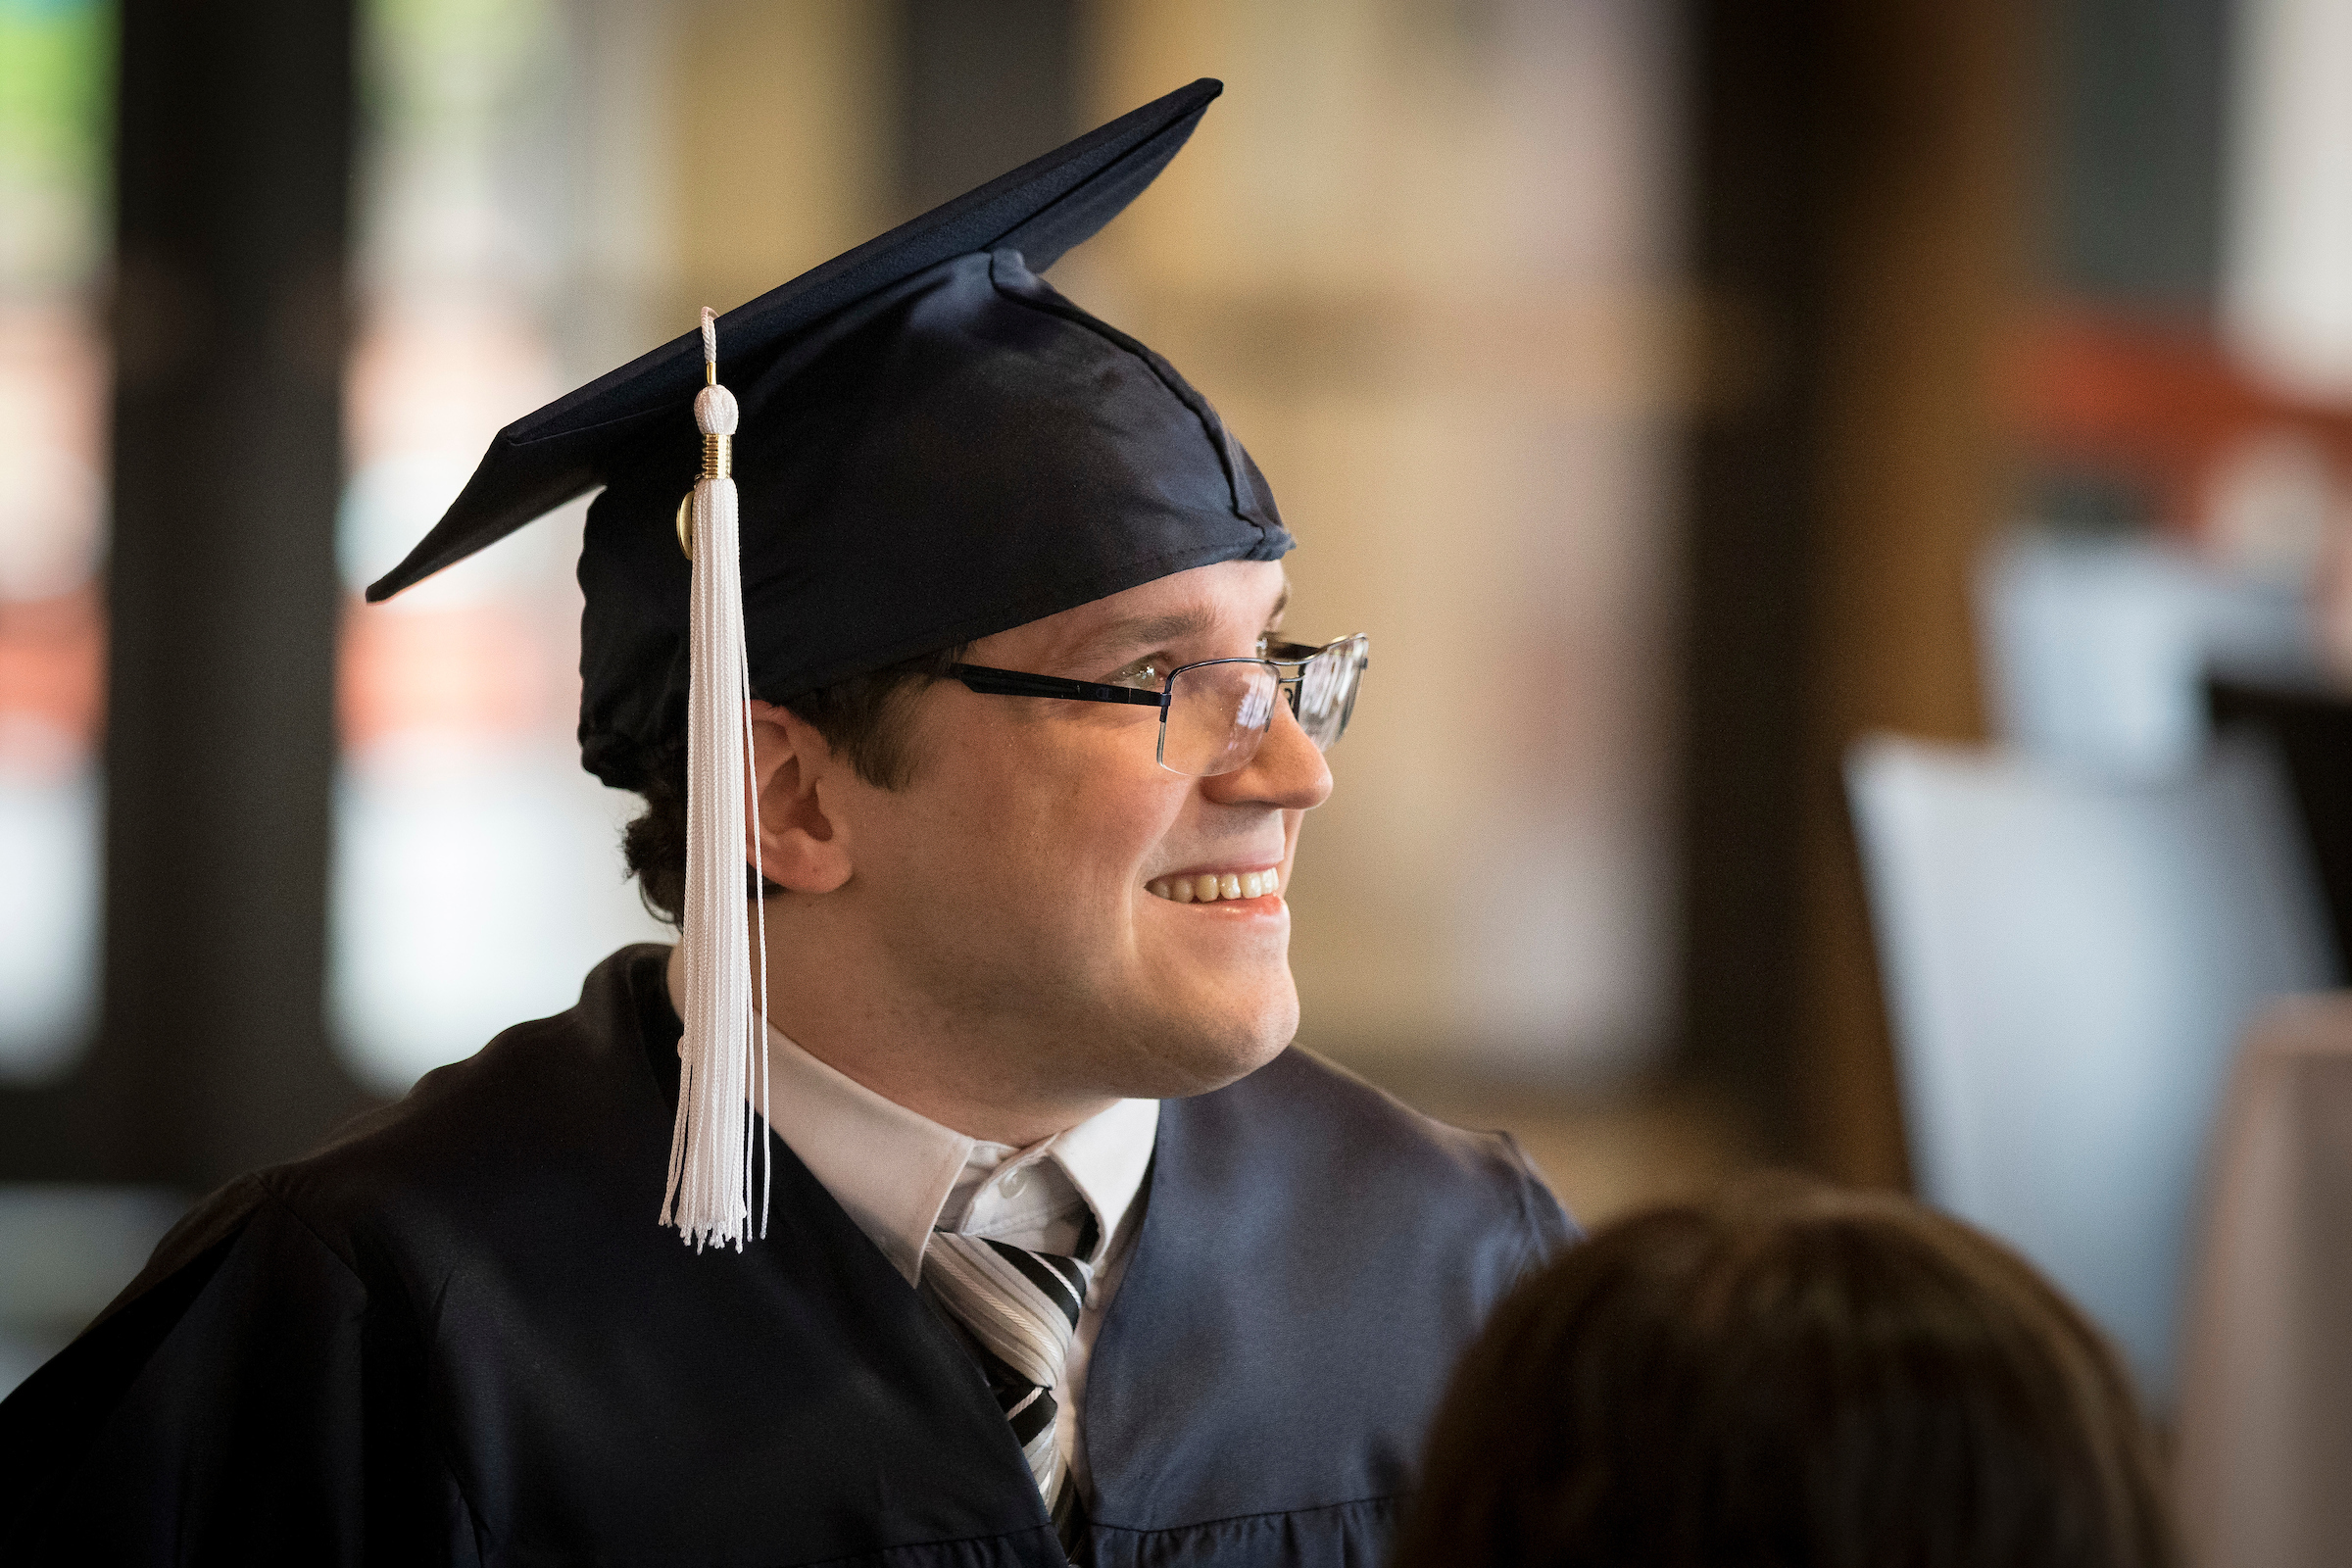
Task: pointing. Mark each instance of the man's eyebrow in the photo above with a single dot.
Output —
(1144, 631)
(1149, 631)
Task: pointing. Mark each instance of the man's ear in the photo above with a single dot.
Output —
(796, 847)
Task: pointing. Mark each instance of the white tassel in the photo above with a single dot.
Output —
(708, 1195)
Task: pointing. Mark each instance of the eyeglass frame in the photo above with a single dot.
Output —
(993, 682)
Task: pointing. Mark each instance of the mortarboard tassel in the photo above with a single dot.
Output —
(708, 1195)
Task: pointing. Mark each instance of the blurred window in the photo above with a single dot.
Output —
(2287, 283)
(476, 872)
(56, 76)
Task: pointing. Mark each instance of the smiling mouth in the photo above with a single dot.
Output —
(1211, 887)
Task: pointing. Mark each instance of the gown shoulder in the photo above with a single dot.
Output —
(1382, 1159)
(249, 1392)
(268, 1367)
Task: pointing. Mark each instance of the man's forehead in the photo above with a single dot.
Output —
(1201, 603)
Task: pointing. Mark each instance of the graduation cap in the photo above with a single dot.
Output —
(916, 444)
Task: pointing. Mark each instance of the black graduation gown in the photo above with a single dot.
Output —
(455, 1335)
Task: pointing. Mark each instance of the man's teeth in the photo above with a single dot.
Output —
(1208, 887)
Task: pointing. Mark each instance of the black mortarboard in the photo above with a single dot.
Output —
(916, 444)
(933, 445)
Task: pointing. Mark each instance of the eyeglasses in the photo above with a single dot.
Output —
(1214, 716)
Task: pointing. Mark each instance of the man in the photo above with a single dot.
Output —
(1059, 1249)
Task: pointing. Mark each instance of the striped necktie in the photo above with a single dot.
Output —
(1020, 1308)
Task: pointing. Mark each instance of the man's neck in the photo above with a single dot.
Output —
(914, 1063)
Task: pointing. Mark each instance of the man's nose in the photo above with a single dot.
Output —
(1288, 771)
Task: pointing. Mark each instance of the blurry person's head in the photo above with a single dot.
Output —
(1790, 1377)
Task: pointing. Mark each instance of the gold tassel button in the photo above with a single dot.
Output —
(718, 462)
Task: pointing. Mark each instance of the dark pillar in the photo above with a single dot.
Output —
(232, 161)
(1761, 268)
(1860, 233)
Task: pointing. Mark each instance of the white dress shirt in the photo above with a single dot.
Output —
(901, 1176)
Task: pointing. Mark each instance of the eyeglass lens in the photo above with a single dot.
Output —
(1327, 691)
(1218, 713)
(1216, 716)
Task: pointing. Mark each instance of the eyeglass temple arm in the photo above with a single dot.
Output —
(1016, 683)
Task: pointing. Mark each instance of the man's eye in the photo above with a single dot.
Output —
(1144, 674)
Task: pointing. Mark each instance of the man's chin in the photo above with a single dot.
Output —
(1196, 1050)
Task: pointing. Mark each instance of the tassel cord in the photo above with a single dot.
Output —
(723, 1057)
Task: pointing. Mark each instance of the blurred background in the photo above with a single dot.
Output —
(1814, 471)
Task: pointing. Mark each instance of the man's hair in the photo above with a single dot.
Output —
(863, 718)
(1790, 1375)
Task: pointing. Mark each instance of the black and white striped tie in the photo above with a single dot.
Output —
(1020, 1308)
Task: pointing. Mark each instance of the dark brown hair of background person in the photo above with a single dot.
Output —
(858, 718)
(1790, 1377)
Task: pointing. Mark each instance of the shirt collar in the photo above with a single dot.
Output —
(892, 1170)
(1105, 1156)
